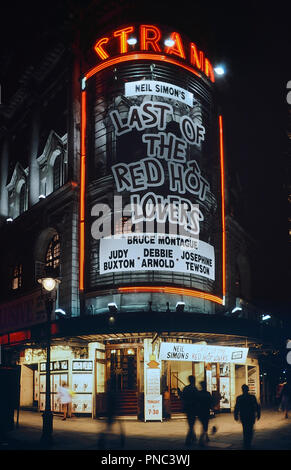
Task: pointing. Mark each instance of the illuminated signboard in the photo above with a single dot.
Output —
(151, 160)
(152, 39)
(202, 353)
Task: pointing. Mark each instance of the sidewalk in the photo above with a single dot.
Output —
(272, 432)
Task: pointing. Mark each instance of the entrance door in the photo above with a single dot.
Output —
(122, 369)
(122, 374)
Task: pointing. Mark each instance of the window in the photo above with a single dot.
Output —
(52, 258)
(17, 277)
(22, 199)
(57, 173)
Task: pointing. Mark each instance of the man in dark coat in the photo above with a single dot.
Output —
(247, 409)
(189, 397)
(205, 404)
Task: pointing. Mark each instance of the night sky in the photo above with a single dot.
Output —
(253, 40)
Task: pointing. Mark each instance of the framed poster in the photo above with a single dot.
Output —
(209, 381)
(82, 403)
(82, 383)
(64, 365)
(224, 391)
(213, 370)
(56, 365)
(42, 386)
(88, 365)
(64, 378)
(36, 386)
(42, 401)
(56, 382)
(224, 370)
(82, 365)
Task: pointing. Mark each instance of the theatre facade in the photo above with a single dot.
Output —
(123, 192)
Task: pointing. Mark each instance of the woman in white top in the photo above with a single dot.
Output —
(65, 398)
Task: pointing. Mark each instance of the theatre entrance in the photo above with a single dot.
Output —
(122, 375)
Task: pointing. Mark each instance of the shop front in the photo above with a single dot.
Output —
(139, 368)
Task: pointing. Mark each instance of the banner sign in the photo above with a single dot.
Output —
(151, 87)
(156, 252)
(202, 353)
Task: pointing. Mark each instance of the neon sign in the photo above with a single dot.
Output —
(129, 45)
(150, 38)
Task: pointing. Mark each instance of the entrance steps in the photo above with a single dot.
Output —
(126, 403)
(176, 404)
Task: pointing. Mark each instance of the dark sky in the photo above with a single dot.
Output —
(253, 40)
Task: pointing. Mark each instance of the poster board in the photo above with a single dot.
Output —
(153, 408)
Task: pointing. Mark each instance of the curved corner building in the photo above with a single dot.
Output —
(152, 216)
(128, 202)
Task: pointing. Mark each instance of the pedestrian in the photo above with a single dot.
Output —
(167, 403)
(65, 397)
(205, 404)
(111, 418)
(279, 389)
(285, 399)
(247, 410)
(189, 396)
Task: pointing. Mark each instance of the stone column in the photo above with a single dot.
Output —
(3, 179)
(33, 177)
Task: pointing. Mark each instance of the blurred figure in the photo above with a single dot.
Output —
(167, 403)
(247, 409)
(216, 397)
(189, 396)
(285, 399)
(205, 404)
(111, 409)
(65, 397)
(279, 389)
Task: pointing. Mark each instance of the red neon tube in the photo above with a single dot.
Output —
(171, 290)
(139, 56)
(82, 191)
(222, 206)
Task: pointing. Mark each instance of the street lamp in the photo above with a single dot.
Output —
(49, 289)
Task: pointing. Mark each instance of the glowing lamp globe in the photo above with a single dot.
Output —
(49, 283)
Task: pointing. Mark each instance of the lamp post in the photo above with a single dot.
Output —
(49, 289)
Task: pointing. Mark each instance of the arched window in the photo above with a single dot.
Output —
(58, 173)
(52, 258)
(22, 199)
(17, 277)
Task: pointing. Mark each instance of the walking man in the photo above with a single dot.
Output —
(247, 409)
(189, 397)
(205, 404)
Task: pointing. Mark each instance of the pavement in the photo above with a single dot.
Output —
(272, 433)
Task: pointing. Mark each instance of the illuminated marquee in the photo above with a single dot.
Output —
(150, 38)
(173, 168)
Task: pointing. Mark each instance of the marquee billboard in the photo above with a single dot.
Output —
(151, 199)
